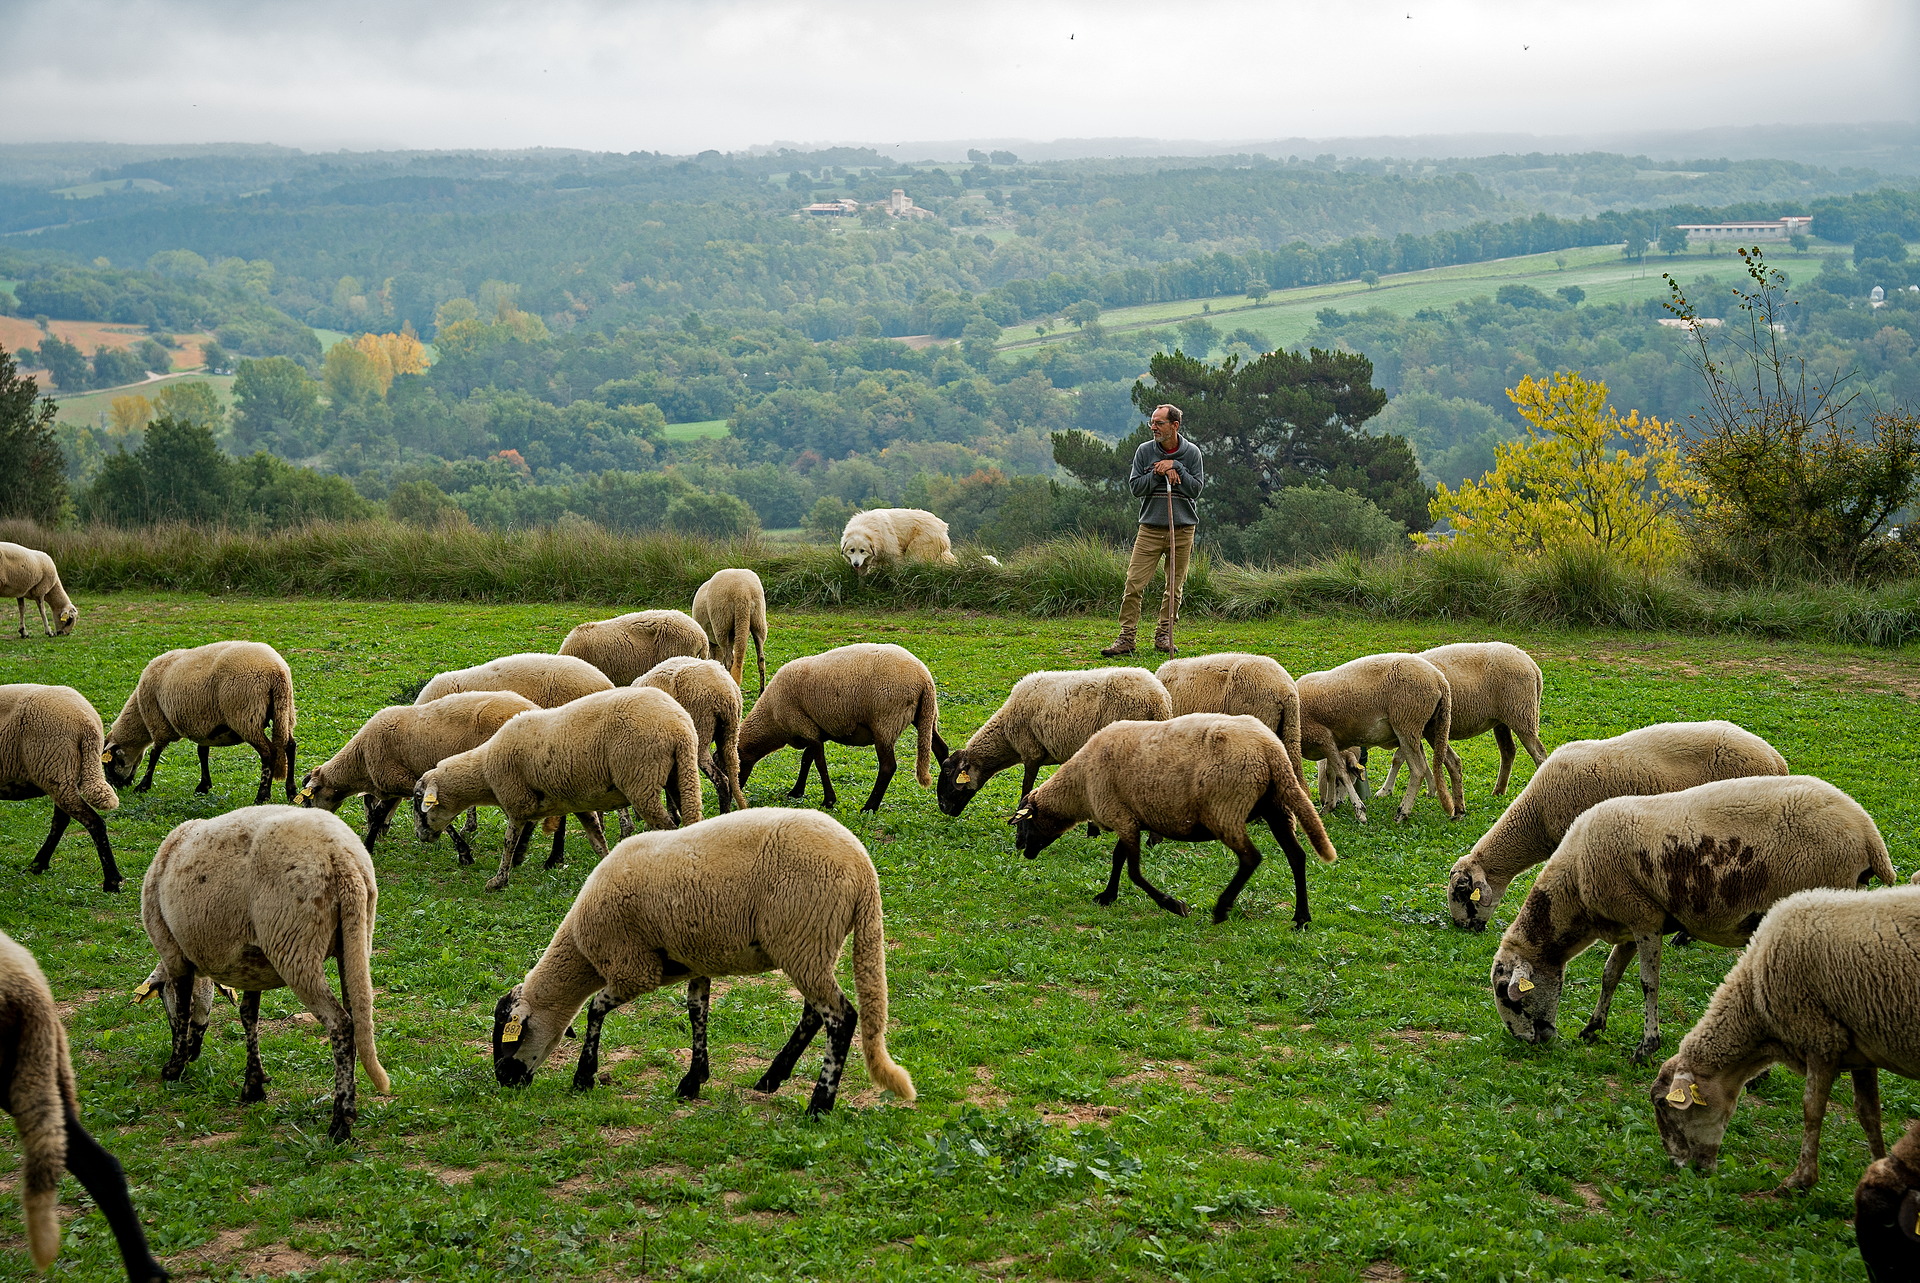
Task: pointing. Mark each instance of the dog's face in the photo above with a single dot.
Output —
(857, 547)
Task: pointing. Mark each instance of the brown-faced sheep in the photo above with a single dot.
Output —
(741, 894)
(1197, 778)
(732, 609)
(1393, 700)
(1886, 1213)
(27, 574)
(1830, 982)
(887, 535)
(1710, 859)
(50, 746)
(1575, 776)
(259, 899)
(1045, 720)
(37, 1087)
(860, 694)
(547, 680)
(617, 748)
(217, 695)
(712, 699)
(1496, 687)
(627, 646)
(1235, 683)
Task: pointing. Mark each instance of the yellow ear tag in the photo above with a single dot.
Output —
(1698, 1099)
(1524, 985)
(105, 758)
(512, 1032)
(431, 799)
(963, 778)
(1475, 897)
(226, 991)
(144, 992)
(1678, 1096)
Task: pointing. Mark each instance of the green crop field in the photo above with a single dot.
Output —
(1104, 1092)
(93, 407)
(702, 431)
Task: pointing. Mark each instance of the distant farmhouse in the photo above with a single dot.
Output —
(1778, 229)
(899, 205)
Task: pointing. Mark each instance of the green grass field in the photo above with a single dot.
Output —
(93, 407)
(1105, 1093)
(705, 430)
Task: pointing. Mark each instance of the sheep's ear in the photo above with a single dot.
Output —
(1909, 1218)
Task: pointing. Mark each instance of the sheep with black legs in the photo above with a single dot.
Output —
(1196, 778)
(50, 746)
(217, 695)
(1394, 700)
(712, 699)
(1496, 687)
(1886, 1213)
(731, 608)
(27, 574)
(1710, 860)
(740, 894)
(259, 899)
(625, 647)
(37, 1087)
(1234, 682)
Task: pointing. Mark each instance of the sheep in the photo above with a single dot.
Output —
(37, 1088)
(50, 746)
(712, 699)
(1654, 759)
(256, 899)
(1886, 1212)
(217, 695)
(740, 894)
(886, 535)
(1045, 720)
(1829, 982)
(862, 694)
(1711, 859)
(1234, 682)
(730, 608)
(1496, 687)
(547, 680)
(29, 574)
(617, 748)
(387, 756)
(1390, 700)
(625, 647)
(1195, 778)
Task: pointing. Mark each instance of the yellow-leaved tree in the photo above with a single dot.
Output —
(130, 414)
(1584, 477)
(392, 354)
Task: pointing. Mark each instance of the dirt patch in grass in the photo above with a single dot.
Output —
(1424, 1038)
(1080, 1115)
(229, 1250)
(1889, 675)
(982, 1091)
(1383, 1272)
(1590, 1195)
(212, 1138)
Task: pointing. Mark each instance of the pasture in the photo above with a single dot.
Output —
(1105, 1093)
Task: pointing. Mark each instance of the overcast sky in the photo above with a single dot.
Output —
(684, 76)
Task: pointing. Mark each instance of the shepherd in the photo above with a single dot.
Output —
(1167, 476)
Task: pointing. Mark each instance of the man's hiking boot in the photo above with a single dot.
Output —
(1122, 645)
(1163, 640)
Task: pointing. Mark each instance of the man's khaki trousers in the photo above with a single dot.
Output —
(1149, 546)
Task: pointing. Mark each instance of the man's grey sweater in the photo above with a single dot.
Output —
(1152, 488)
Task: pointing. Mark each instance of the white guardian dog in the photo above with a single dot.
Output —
(893, 534)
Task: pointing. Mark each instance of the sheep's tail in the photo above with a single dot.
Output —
(726, 733)
(759, 630)
(91, 773)
(738, 667)
(686, 765)
(1883, 865)
(926, 720)
(358, 904)
(1290, 792)
(280, 712)
(1439, 725)
(42, 1092)
(870, 985)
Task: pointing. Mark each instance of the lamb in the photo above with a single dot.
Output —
(860, 694)
(625, 647)
(712, 699)
(1496, 687)
(217, 695)
(387, 756)
(1829, 982)
(37, 1088)
(886, 535)
(1390, 700)
(1886, 1212)
(1046, 719)
(731, 607)
(619, 747)
(1654, 759)
(50, 746)
(1233, 682)
(29, 574)
(1195, 778)
(547, 680)
(1710, 860)
(260, 898)
(740, 894)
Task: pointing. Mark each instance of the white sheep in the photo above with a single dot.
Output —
(1654, 759)
(1710, 860)
(741, 894)
(216, 696)
(1235, 682)
(50, 746)
(712, 699)
(617, 748)
(256, 899)
(1886, 1212)
(1830, 982)
(731, 608)
(547, 680)
(626, 646)
(1045, 720)
(37, 1088)
(1195, 778)
(883, 536)
(27, 574)
(1496, 687)
(862, 694)
(1394, 700)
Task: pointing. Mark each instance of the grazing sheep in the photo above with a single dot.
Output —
(1829, 982)
(37, 1088)
(387, 756)
(1196, 778)
(1653, 759)
(1710, 859)
(1379, 701)
(1496, 687)
(618, 748)
(1886, 1213)
(887, 535)
(217, 695)
(1235, 683)
(712, 699)
(742, 894)
(731, 608)
(29, 574)
(547, 680)
(259, 899)
(50, 746)
(625, 647)
(862, 694)
(1045, 720)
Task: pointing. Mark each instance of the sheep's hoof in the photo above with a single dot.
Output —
(1645, 1051)
(340, 1132)
(37, 867)
(1106, 898)
(497, 882)
(1179, 908)
(584, 1081)
(1593, 1031)
(689, 1088)
(253, 1094)
(1300, 924)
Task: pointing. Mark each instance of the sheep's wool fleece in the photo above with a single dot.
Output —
(26, 572)
(50, 738)
(1169, 774)
(547, 680)
(1049, 716)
